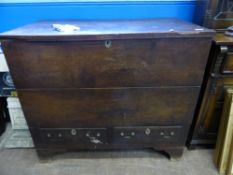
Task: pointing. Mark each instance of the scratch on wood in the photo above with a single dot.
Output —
(95, 140)
(127, 137)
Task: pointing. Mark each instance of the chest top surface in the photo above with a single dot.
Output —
(97, 30)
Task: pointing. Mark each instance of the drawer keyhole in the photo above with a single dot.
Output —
(73, 132)
(147, 131)
(108, 44)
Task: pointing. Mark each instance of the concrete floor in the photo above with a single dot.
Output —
(140, 162)
(143, 162)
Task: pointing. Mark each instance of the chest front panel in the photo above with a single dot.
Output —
(116, 63)
(129, 84)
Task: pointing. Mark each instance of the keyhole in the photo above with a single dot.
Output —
(73, 132)
(108, 44)
(147, 131)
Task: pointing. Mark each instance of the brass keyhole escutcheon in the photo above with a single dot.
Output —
(73, 132)
(172, 133)
(147, 131)
(108, 44)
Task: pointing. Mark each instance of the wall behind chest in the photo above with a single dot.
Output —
(14, 14)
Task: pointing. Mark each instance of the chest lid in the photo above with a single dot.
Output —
(68, 30)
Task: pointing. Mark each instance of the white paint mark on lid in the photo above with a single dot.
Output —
(199, 29)
(171, 30)
(66, 28)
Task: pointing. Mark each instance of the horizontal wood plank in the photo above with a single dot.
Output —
(108, 107)
(125, 63)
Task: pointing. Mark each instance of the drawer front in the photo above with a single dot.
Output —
(148, 134)
(86, 138)
(227, 66)
(74, 135)
(108, 107)
(117, 63)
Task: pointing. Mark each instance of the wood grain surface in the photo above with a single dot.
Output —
(108, 107)
(127, 63)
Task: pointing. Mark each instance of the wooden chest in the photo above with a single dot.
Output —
(108, 84)
(218, 78)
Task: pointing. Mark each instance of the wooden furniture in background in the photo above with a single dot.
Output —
(108, 84)
(223, 156)
(218, 77)
(229, 170)
(218, 14)
(225, 134)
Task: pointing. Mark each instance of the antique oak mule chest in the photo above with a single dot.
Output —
(108, 84)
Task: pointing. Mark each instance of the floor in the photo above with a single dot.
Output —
(143, 162)
(140, 162)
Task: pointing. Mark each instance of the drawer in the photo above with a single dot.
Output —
(73, 135)
(116, 63)
(227, 66)
(148, 134)
(104, 137)
(218, 86)
(108, 107)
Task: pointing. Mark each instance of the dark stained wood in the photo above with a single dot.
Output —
(218, 78)
(147, 134)
(46, 155)
(227, 66)
(127, 63)
(208, 115)
(222, 39)
(83, 89)
(108, 107)
(104, 30)
(121, 136)
(175, 153)
(161, 137)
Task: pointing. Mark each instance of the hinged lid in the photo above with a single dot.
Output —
(92, 30)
